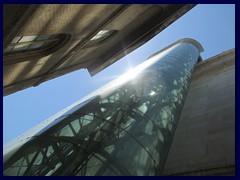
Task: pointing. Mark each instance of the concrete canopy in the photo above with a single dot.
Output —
(76, 26)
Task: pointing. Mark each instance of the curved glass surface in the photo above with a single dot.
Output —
(127, 131)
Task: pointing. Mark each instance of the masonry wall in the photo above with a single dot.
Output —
(204, 142)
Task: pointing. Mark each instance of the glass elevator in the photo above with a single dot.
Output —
(126, 129)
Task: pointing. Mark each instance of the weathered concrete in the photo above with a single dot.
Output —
(204, 142)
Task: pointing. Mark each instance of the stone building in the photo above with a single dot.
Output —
(45, 41)
(204, 142)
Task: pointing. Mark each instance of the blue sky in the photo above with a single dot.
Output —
(211, 25)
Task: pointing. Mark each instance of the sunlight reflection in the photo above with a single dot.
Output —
(128, 76)
(134, 72)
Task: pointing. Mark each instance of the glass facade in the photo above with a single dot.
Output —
(125, 130)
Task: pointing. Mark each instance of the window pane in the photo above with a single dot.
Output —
(27, 38)
(15, 40)
(43, 37)
(102, 35)
(33, 43)
(20, 47)
(36, 45)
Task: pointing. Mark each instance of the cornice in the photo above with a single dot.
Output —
(215, 64)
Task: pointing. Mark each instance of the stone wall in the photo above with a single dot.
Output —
(204, 142)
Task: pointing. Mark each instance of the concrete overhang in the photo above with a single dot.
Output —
(132, 26)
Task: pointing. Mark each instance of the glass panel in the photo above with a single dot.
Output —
(53, 170)
(13, 171)
(76, 125)
(31, 43)
(42, 37)
(38, 160)
(102, 35)
(19, 47)
(66, 131)
(36, 45)
(27, 38)
(15, 40)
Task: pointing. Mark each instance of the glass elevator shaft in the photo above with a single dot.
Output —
(126, 129)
